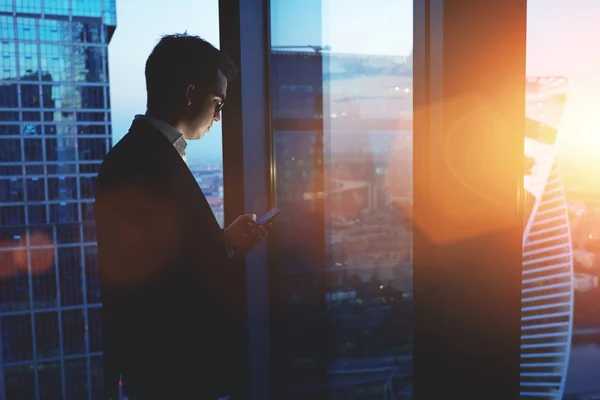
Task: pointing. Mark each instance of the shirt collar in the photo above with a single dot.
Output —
(173, 135)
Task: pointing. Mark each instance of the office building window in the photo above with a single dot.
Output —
(49, 380)
(19, 382)
(342, 141)
(17, 340)
(47, 338)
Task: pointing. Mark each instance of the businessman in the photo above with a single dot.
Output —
(168, 318)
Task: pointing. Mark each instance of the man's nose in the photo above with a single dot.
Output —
(217, 117)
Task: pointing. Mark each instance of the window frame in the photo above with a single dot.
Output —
(453, 335)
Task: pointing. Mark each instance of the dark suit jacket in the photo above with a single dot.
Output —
(167, 303)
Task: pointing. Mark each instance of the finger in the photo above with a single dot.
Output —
(250, 217)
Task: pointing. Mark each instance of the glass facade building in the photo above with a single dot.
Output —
(54, 131)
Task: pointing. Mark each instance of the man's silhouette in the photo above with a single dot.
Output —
(167, 301)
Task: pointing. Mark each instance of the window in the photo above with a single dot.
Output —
(53, 30)
(30, 96)
(29, 6)
(71, 276)
(94, 318)
(43, 278)
(19, 382)
(92, 149)
(10, 150)
(28, 62)
(33, 150)
(56, 62)
(87, 32)
(62, 189)
(9, 96)
(76, 378)
(565, 197)
(26, 29)
(56, 7)
(49, 381)
(73, 322)
(17, 339)
(343, 275)
(35, 189)
(8, 60)
(11, 190)
(7, 27)
(46, 334)
(92, 274)
(90, 97)
(89, 63)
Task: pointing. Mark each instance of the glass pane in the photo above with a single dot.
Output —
(562, 236)
(49, 381)
(342, 139)
(46, 334)
(19, 382)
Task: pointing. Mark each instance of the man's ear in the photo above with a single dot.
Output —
(188, 94)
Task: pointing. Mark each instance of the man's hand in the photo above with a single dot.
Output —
(244, 234)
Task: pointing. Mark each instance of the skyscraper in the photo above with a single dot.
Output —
(547, 290)
(54, 131)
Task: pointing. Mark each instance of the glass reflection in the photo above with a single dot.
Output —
(342, 133)
(89, 63)
(56, 62)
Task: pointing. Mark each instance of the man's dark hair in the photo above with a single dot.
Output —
(180, 60)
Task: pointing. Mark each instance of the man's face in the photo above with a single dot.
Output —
(204, 109)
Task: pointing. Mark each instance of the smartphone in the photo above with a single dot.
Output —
(268, 217)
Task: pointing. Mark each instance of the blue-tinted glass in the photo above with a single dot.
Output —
(19, 382)
(61, 97)
(33, 170)
(31, 130)
(8, 60)
(9, 116)
(71, 276)
(6, 5)
(92, 277)
(10, 150)
(68, 233)
(62, 169)
(12, 216)
(56, 62)
(89, 63)
(26, 29)
(7, 30)
(97, 373)
(49, 381)
(110, 12)
(44, 279)
(73, 333)
(14, 290)
(76, 379)
(90, 97)
(62, 189)
(87, 211)
(89, 231)
(87, 32)
(91, 129)
(17, 339)
(92, 149)
(29, 6)
(32, 116)
(61, 149)
(86, 8)
(54, 30)
(87, 187)
(9, 129)
(11, 190)
(56, 7)
(37, 215)
(33, 150)
(95, 329)
(63, 213)
(89, 168)
(28, 59)
(91, 116)
(35, 189)
(8, 170)
(30, 95)
(47, 340)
